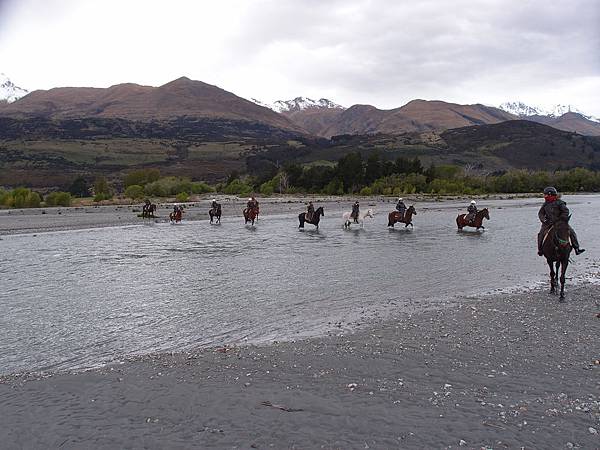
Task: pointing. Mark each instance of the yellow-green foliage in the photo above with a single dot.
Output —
(58, 199)
(20, 198)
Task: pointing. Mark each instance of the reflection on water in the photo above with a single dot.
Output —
(78, 298)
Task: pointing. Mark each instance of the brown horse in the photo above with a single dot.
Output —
(556, 247)
(395, 217)
(175, 216)
(461, 220)
(251, 214)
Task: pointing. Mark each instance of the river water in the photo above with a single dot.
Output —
(76, 299)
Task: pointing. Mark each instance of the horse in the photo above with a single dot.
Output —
(395, 217)
(215, 213)
(557, 247)
(361, 218)
(148, 210)
(461, 220)
(251, 214)
(175, 216)
(316, 217)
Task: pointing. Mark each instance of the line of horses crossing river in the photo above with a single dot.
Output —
(556, 250)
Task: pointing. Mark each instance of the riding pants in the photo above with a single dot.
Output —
(544, 230)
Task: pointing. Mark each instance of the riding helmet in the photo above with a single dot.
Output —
(472, 202)
(550, 191)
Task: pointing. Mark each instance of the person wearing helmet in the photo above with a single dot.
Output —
(401, 207)
(215, 207)
(471, 211)
(554, 210)
(310, 211)
(355, 211)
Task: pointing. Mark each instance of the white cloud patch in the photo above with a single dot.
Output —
(353, 51)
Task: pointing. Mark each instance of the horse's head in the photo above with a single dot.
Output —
(562, 233)
(320, 211)
(485, 213)
(412, 210)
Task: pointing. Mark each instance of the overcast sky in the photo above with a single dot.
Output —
(380, 52)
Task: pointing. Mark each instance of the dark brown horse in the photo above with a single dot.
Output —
(461, 220)
(556, 247)
(395, 217)
(251, 214)
(215, 214)
(316, 218)
(148, 210)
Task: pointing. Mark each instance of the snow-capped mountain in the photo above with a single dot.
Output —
(9, 92)
(299, 104)
(520, 109)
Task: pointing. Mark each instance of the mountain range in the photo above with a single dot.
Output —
(323, 118)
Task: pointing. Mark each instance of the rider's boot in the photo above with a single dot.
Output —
(575, 242)
(579, 251)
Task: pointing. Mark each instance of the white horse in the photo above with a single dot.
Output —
(361, 218)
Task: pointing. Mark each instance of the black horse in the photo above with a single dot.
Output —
(215, 213)
(316, 218)
(557, 248)
(148, 210)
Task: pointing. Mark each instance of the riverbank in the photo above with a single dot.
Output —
(37, 220)
(502, 370)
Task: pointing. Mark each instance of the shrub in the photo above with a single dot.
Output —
(58, 199)
(141, 177)
(201, 188)
(237, 187)
(102, 196)
(182, 197)
(20, 198)
(134, 191)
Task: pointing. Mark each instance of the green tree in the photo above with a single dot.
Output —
(134, 192)
(374, 169)
(350, 171)
(79, 187)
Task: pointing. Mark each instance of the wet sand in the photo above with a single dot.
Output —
(518, 370)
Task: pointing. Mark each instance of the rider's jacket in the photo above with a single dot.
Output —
(472, 209)
(252, 204)
(310, 209)
(552, 212)
(400, 206)
(215, 205)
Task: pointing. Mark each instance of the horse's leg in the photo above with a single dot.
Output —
(563, 272)
(552, 277)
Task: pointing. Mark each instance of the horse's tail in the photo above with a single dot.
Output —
(458, 224)
(301, 220)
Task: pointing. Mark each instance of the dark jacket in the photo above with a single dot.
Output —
(552, 212)
(400, 206)
(472, 209)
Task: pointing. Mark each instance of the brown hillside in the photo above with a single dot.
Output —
(417, 115)
(570, 121)
(180, 98)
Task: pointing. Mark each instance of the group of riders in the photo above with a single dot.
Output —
(551, 212)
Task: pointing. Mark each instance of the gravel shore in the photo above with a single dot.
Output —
(514, 370)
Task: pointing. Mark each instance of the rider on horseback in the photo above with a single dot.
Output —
(554, 210)
(252, 203)
(310, 211)
(401, 207)
(471, 212)
(355, 211)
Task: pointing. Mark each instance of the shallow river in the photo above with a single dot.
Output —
(81, 298)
